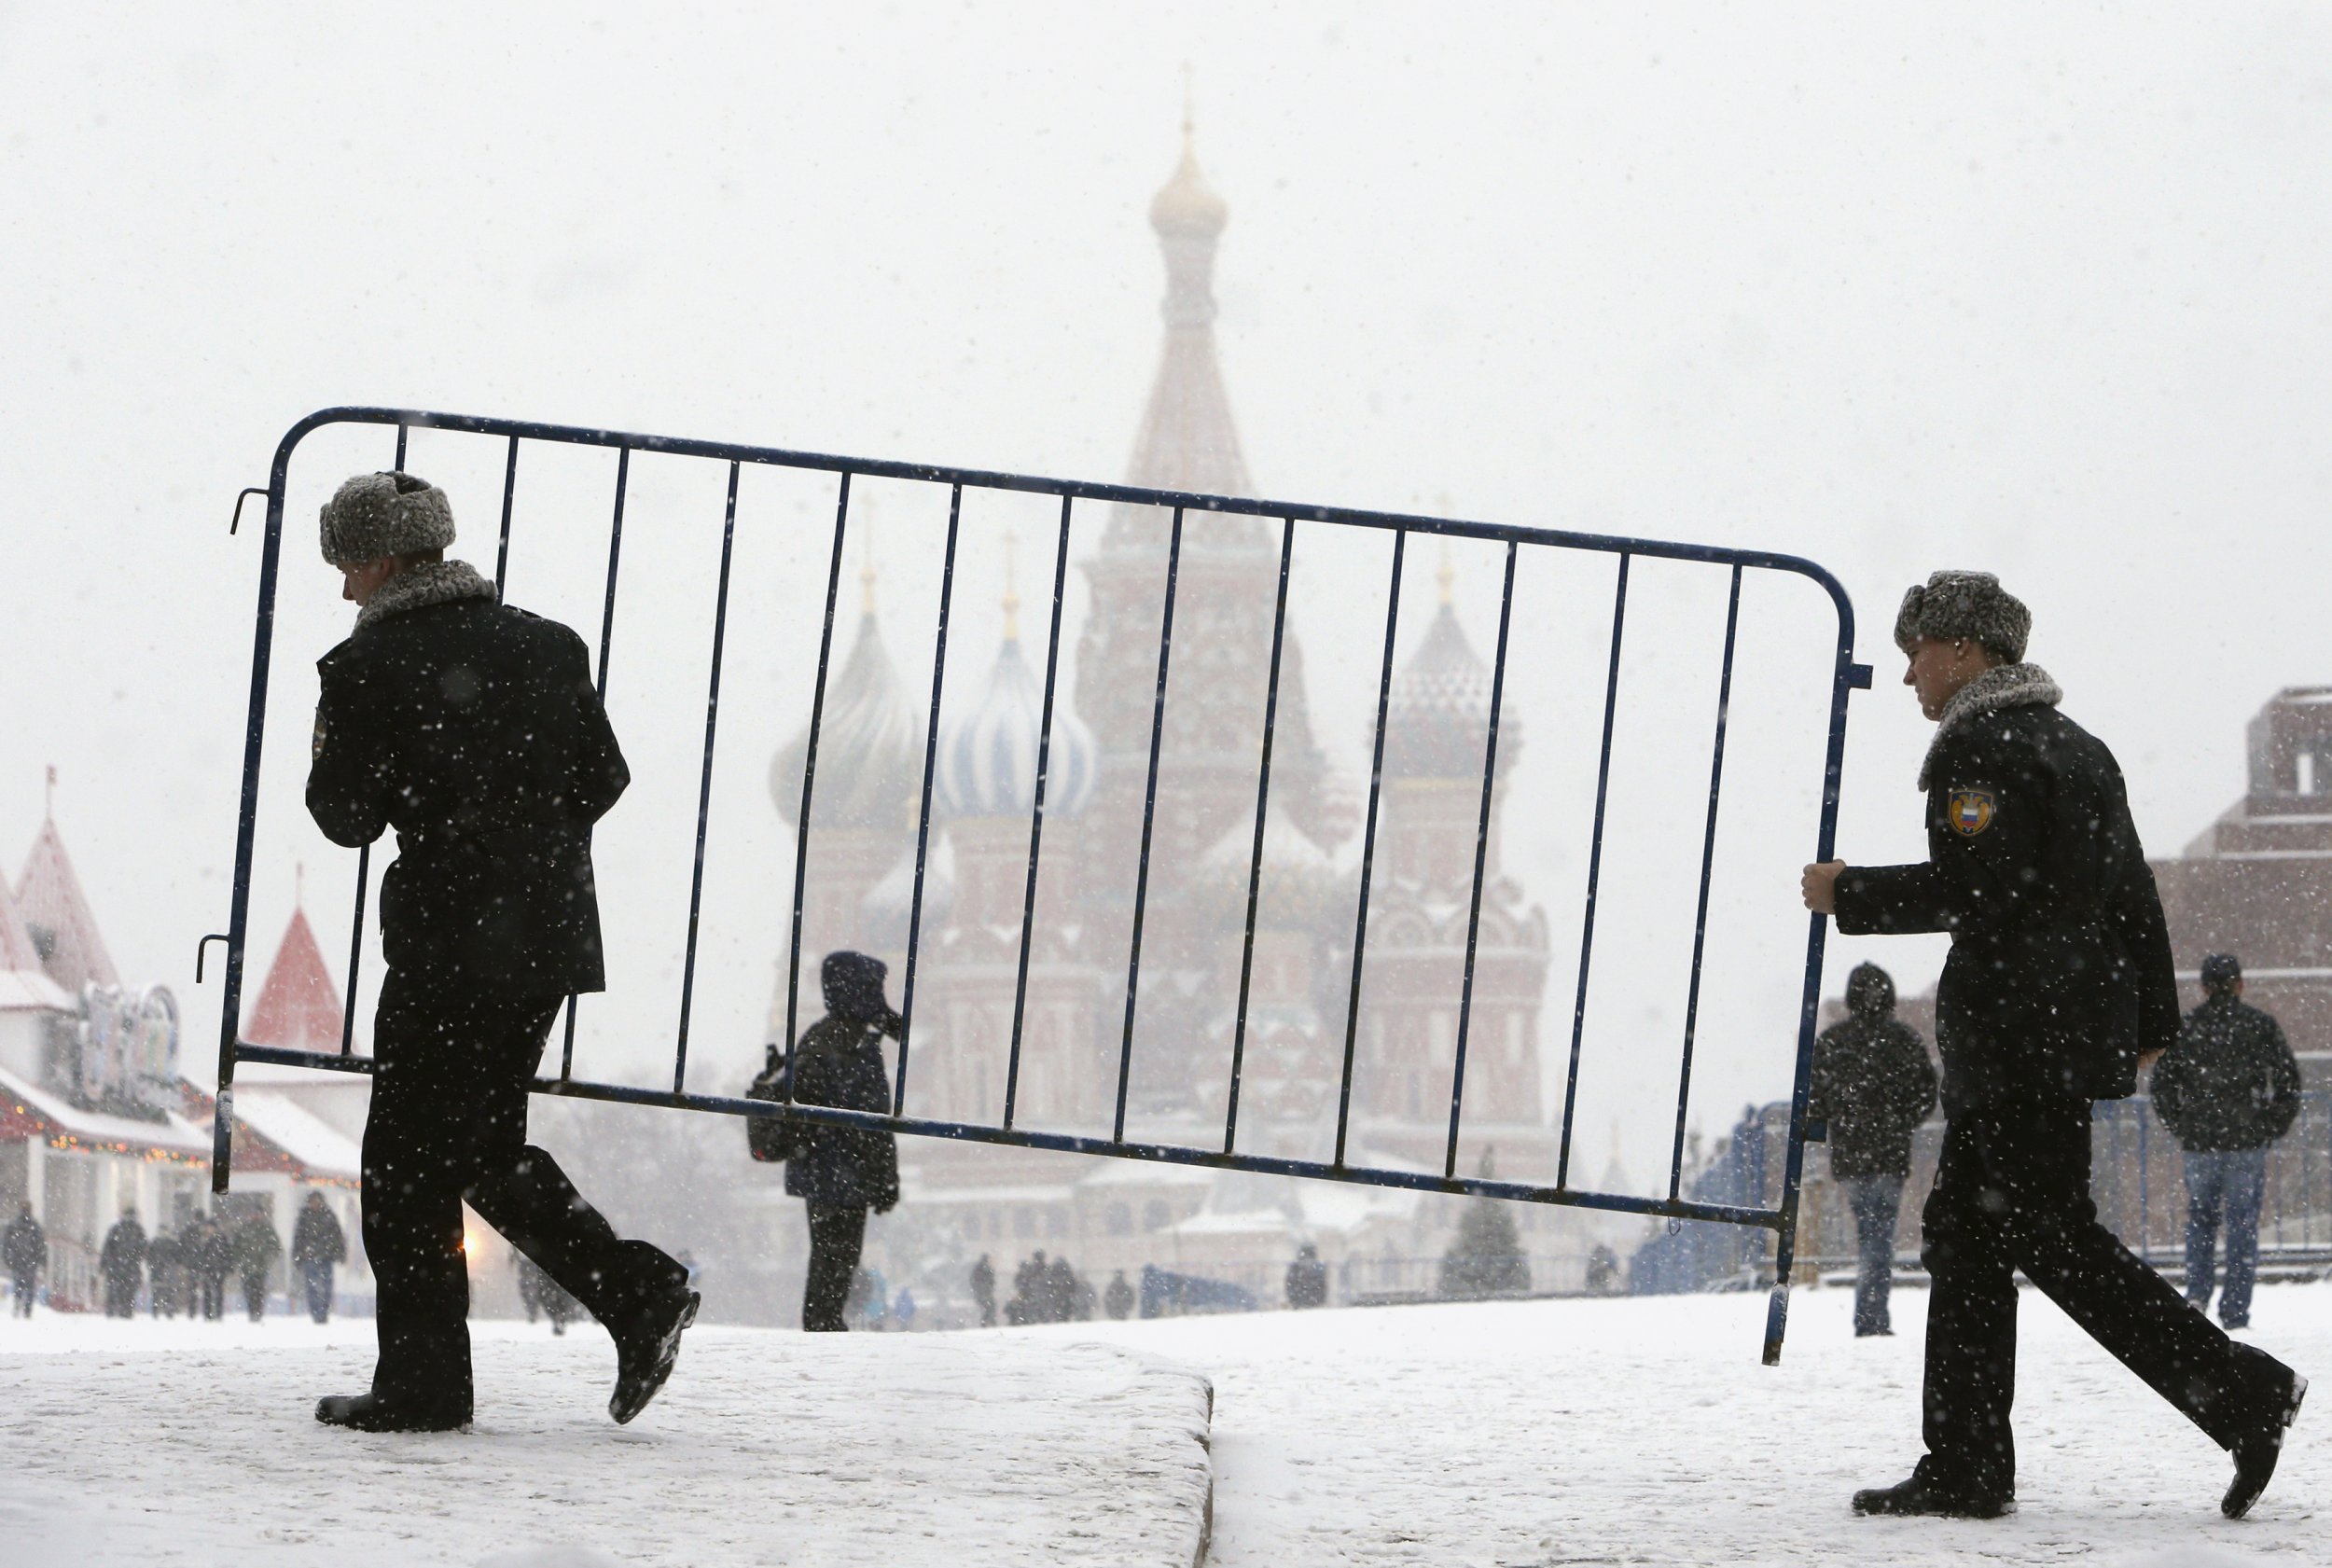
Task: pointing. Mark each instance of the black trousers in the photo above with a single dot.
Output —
(24, 1285)
(2012, 1191)
(448, 1126)
(213, 1295)
(838, 1234)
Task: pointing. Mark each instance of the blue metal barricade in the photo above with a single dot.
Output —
(1844, 675)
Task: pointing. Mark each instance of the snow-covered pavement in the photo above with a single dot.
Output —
(1627, 1430)
(766, 1448)
(1645, 1431)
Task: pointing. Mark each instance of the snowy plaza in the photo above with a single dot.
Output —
(1629, 1431)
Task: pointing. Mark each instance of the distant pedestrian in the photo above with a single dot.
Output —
(210, 1252)
(1307, 1278)
(317, 1244)
(1602, 1270)
(1060, 1291)
(984, 1291)
(1874, 1085)
(537, 1289)
(903, 1310)
(2228, 1089)
(840, 1172)
(1031, 1288)
(257, 1249)
(1118, 1300)
(25, 1251)
(122, 1261)
(2058, 988)
(165, 1274)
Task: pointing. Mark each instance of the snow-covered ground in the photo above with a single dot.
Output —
(766, 1448)
(1574, 1432)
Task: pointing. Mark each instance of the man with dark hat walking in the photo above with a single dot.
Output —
(1873, 1085)
(2059, 984)
(474, 731)
(2228, 1089)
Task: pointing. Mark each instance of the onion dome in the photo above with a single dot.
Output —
(987, 762)
(869, 746)
(1186, 205)
(889, 906)
(1438, 715)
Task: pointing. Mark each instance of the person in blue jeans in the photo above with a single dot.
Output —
(2228, 1089)
(1874, 1083)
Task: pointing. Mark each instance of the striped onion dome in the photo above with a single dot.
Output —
(869, 748)
(988, 761)
(1439, 709)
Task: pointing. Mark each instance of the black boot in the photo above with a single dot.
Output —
(1925, 1493)
(646, 1348)
(368, 1412)
(2257, 1451)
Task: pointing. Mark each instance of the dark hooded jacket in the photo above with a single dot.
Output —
(316, 1237)
(474, 729)
(2230, 1082)
(839, 1062)
(1872, 1081)
(124, 1252)
(26, 1247)
(2059, 976)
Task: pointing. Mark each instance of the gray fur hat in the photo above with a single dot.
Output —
(1951, 605)
(374, 515)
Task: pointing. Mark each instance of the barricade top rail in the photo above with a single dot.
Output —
(1081, 489)
(1676, 1205)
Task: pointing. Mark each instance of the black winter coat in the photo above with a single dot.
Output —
(1874, 1085)
(2059, 976)
(316, 1237)
(25, 1250)
(256, 1247)
(2230, 1082)
(840, 1063)
(124, 1252)
(472, 728)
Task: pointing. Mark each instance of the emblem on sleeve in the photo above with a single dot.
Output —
(1971, 811)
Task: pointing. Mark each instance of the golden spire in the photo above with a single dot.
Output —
(1012, 592)
(866, 574)
(1447, 574)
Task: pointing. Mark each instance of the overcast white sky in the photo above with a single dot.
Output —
(2031, 288)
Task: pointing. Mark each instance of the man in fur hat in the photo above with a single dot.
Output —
(2059, 984)
(474, 731)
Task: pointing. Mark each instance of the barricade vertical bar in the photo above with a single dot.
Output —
(1262, 810)
(1594, 871)
(1149, 815)
(1481, 860)
(1843, 682)
(1708, 863)
(246, 826)
(2145, 1191)
(606, 643)
(1035, 833)
(364, 880)
(355, 950)
(931, 759)
(809, 776)
(1368, 844)
(509, 491)
(705, 789)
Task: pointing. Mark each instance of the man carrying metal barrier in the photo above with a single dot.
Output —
(474, 731)
(2058, 986)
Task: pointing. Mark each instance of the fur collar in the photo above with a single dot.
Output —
(423, 584)
(2009, 686)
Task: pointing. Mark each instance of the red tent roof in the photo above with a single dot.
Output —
(298, 1007)
(49, 896)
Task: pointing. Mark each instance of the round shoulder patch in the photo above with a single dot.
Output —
(1970, 812)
